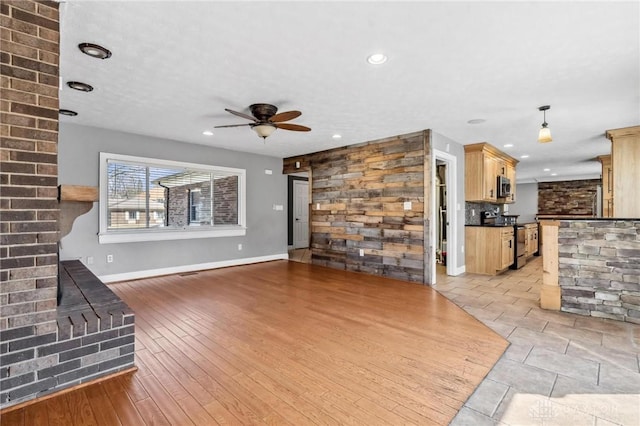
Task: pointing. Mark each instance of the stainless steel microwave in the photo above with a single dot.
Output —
(504, 187)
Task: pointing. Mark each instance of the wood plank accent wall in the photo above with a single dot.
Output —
(357, 203)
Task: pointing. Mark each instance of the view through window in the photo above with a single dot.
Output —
(156, 195)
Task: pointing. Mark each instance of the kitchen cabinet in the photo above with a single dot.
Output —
(607, 186)
(483, 164)
(489, 249)
(531, 239)
(625, 171)
(510, 173)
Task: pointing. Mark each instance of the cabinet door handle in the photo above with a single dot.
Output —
(510, 241)
(491, 193)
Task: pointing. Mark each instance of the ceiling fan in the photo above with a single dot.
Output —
(265, 120)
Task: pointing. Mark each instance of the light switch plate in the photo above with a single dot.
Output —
(407, 205)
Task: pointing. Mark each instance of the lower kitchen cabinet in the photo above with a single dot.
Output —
(531, 239)
(489, 250)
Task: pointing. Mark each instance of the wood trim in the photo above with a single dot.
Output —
(550, 295)
(67, 390)
(623, 132)
(78, 193)
(487, 148)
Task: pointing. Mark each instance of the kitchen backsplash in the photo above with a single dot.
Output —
(470, 208)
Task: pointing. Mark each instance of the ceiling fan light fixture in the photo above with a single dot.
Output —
(544, 135)
(264, 130)
(94, 50)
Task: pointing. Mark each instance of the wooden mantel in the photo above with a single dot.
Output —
(78, 193)
(75, 200)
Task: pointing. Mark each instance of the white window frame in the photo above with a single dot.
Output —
(110, 236)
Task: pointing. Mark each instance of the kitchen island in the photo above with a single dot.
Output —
(591, 266)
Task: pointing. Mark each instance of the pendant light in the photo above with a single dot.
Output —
(544, 135)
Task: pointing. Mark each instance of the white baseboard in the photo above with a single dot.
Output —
(136, 275)
(459, 270)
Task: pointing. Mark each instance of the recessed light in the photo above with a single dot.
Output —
(336, 136)
(508, 145)
(524, 156)
(554, 174)
(94, 50)
(546, 170)
(207, 133)
(377, 59)
(67, 112)
(476, 121)
(83, 87)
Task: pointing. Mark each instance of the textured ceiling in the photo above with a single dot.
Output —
(176, 66)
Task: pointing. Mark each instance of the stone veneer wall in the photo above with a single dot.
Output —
(599, 268)
(357, 203)
(574, 197)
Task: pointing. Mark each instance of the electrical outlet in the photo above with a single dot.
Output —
(473, 212)
(89, 260)
(407, 205)
(239, 246)
(109, 258)
(361, 252)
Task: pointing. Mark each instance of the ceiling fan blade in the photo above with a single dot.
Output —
(294, 127)
(285, 116)
(233, 125)
(241, 114)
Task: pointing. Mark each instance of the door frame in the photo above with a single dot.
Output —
(452, 211)
(293, 220)
(290, 218)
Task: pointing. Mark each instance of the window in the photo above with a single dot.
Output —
(145, 199)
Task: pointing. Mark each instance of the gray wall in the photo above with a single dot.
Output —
(440, 143)
(526, 204)
(78, 163)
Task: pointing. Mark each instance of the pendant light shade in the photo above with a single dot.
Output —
(544, 135)
(264, 130)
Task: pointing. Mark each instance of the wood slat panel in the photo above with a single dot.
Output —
(285, 343)
(359, 191)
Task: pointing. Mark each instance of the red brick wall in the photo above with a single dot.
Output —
(29, 49)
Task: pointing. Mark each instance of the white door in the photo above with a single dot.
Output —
(300, 214)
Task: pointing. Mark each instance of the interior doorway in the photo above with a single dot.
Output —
(300, 214)
(441, 216)
(298, 217)
(444, 208)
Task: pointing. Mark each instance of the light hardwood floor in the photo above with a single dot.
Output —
(285, 343)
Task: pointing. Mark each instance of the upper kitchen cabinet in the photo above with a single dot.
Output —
(607, 186)
(625, 166)
(490, 174)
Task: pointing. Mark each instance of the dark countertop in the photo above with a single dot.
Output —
(578, 218)
(503, 226)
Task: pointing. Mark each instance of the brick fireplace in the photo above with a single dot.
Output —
(43, 348)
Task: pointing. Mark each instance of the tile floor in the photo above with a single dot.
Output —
(561, 369)
(300, 255)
